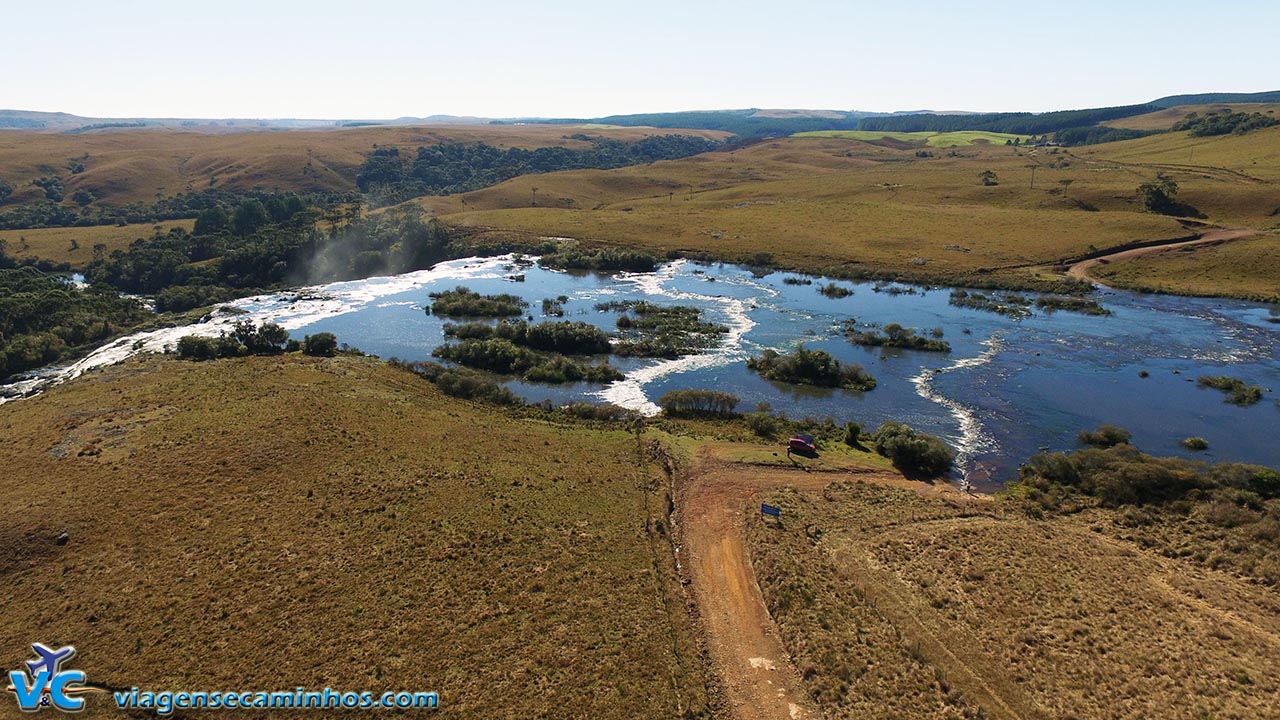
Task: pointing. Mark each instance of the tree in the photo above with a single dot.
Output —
(5, 190)
(320, 345)
(1158, 195)
(210, 221)
(249, 216)
(269, 339)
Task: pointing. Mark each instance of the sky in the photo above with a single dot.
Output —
(392, 58)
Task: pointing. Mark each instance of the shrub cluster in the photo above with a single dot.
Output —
(1104, 436)
(464, 302)
(835, 291)
(499, 355)
(462, 383)
(566, 337)
(1122, 475)
(1071, 303)
(599, 260)
(811, 367)
(698, 402)
(244, 339)
(913, 452)
(1010, 305)
(1238, 392)
(661, 331)
(894, 335)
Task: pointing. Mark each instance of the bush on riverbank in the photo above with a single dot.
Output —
(245, 339)
(698, 402)
(913, 452)
(462, 383)
(499, 355)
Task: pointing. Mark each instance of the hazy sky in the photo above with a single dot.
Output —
(390, 58)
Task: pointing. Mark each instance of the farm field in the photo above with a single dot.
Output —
(390, 537)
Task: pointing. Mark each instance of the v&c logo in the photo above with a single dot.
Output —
(45, 683)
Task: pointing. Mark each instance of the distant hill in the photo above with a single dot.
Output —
(57, 122)
(1270, 96)
(746, 123)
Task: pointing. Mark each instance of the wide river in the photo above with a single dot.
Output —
(1009, 388)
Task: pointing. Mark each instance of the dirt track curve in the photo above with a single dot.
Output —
(1080, 270)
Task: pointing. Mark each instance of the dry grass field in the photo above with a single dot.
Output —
(275, 522)
(905, 603)
(848, 207)
(74, 245)
(1164, 119)
(1203, 271)
(136, 165)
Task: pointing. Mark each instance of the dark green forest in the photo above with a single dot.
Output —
(44, 318)
(389, 176)
(1224, 122)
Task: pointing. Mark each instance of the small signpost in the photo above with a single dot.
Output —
(767, 509)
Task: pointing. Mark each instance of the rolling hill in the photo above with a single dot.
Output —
(122, 167)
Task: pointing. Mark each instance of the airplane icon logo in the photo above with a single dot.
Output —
(50, 660)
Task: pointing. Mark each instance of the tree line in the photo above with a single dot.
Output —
(390, 176)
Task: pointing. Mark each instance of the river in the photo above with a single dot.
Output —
(1010, 386)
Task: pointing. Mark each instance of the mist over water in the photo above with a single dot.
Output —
(1008, 388)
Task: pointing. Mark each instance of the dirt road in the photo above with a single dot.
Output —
(715, 502)
(1080, 270)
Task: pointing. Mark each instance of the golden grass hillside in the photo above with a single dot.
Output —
(1203, 270)
(136, 165)
(1164, 119)
(276, 522)
(844, 206)
(896, 603)
(75, 245)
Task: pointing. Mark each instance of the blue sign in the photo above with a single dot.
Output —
(767, 509)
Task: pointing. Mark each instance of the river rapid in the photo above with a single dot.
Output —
(1010, 386)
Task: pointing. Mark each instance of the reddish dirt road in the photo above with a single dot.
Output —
(1080, 270)
(715, 502)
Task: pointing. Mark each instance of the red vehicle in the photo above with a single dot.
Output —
(802, 444)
